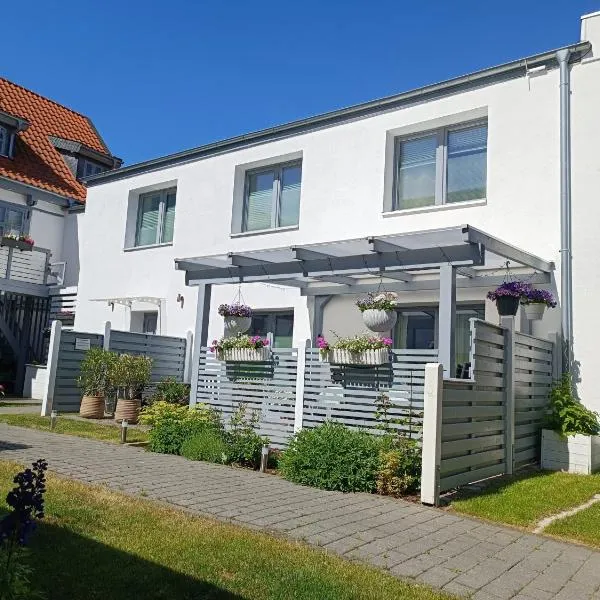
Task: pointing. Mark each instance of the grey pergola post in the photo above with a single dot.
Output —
(200, 335)
(447, 318)
(318, 307)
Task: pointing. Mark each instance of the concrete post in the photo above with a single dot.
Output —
(447, 318)
(300, 372)
(53, 352)
(508, 324)
(189, 351)
(432, 434)
(106, 340)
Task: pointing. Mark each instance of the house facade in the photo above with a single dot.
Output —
(46, 150)
(500, 150)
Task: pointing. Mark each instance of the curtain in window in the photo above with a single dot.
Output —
(289, 204)
(416, 172)
(148, 217)
(259, 201)
(467, 164)
(169, 218)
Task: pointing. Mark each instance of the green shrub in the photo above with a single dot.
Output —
(172, 391)
(567, 415)
(95, 369)
(332, 457)
(171, 425)
(244, 445)
(207, 445)
(399, 469)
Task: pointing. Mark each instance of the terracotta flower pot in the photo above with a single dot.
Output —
(128, 410)
(92, 407)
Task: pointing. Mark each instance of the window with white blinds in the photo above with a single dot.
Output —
(156, 218)
(272, 197)
(444, 166)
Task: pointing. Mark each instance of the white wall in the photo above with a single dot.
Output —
(344, 186)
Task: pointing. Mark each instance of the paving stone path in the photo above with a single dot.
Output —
(461, 555)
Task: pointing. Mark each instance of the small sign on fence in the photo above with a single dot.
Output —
(82, 343)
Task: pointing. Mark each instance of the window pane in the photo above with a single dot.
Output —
(467, 164)
(284, 329)
(415, 330)
(4, 141)
(150, 323)
(148, 220)
(416, 172)
(462, 336)
(289, 205)
(169, 220)
(259, 201)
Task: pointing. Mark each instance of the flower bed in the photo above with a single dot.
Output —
(19, 241)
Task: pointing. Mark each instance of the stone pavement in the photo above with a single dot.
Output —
(460, 555)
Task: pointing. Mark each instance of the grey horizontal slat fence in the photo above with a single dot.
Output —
(67, 395)
(533, 376)
(267, 387)
(349, 395)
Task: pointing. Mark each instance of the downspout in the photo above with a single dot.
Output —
(566, 256)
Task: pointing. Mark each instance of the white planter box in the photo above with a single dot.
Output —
(366, 358)
(35, 381)
(245, 354)
(574, 454)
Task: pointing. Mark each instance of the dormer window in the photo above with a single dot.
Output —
(5, 140)
(89, 168)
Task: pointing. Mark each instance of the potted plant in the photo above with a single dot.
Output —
(379, 311)
(16, 240)
(570, 440)
(237, 318)
(507, 297)
(130, 375)
(242, 348)
(94, 380)
(363, 350)
(535, 302)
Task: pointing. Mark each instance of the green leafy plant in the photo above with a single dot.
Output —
(244, 444)
(208, 444)
(254, 342)
(354, 344)
(130, 374)
(95, 371)
(567, 415)
(332, 457)
(399, 468)
(171, 425)
(172, 391)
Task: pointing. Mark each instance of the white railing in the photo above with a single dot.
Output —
(24, 266)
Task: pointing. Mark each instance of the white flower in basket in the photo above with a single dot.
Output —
(242, 348)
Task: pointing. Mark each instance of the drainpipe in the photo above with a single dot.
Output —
(566, 257)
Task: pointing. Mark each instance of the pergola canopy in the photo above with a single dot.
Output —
(403, 261)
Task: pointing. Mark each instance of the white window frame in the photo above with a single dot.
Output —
(441, 163)
(277, 170)
(161, 216)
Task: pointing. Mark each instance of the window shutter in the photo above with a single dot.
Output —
(259, 201)
(149, 212)
(289, 204)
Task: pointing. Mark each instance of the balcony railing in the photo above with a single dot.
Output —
(24, 269)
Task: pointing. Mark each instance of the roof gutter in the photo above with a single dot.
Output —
(506, 71)
(566, 254)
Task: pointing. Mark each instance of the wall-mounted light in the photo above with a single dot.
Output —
(112, 306)
(180, 299)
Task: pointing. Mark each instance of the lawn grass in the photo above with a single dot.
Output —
(526, 499)
(582, 527)
(85, 429)
(95, 544)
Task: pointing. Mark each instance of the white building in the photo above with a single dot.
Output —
(483, 150)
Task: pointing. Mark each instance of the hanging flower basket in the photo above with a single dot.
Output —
(535, 303)
(20, 242)
(508, 297)
(379, 311)
(242, 348)
(364, 350)
(237, 318)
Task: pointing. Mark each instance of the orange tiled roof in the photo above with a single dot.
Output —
(36, 161)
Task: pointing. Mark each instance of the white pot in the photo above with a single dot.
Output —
(575, 453)
(245, 354)
(380, 320)
(338, 356)
(534, 311)
(235, 325)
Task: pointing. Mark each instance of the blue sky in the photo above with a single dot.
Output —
(159, 77)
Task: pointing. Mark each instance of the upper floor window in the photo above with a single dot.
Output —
(156, 217)
(272, 197)
(90, 168)
(5, 136)
(12, 219)
(441, 167)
